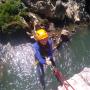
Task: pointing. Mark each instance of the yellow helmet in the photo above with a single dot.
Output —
(41, 34)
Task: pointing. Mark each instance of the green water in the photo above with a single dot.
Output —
(73, 57)
(76, 54)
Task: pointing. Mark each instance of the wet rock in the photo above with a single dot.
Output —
(60, 10)
(51, 27)
(80, 81)
(65, 32)
(65, 35)
(72, 11)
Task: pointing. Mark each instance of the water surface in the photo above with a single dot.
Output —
(18, 58)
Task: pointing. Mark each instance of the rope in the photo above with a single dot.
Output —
(61, 79)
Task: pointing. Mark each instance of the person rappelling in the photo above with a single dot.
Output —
(43, 49)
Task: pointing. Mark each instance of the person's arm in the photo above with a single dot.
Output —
(41, 60)
(37, 54)
(39, 57)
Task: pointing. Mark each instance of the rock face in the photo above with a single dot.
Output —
(73, 10)
(80, 81)
(55, 8)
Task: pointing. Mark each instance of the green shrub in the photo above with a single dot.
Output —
(10, 11)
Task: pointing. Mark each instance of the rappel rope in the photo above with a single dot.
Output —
(61, 78)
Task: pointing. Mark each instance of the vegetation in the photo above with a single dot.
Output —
(10, 14)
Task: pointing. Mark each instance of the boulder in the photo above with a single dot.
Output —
(72, 11)
(80, 81)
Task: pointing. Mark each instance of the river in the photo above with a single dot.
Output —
(19, 71)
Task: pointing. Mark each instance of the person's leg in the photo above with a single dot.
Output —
(41, 75)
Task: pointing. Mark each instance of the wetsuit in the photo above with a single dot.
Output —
(42, 51)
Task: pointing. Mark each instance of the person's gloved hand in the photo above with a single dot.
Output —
(48, 62)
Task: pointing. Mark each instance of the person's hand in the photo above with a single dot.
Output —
(48, 62)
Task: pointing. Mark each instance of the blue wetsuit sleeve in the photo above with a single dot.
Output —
(38, 55)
